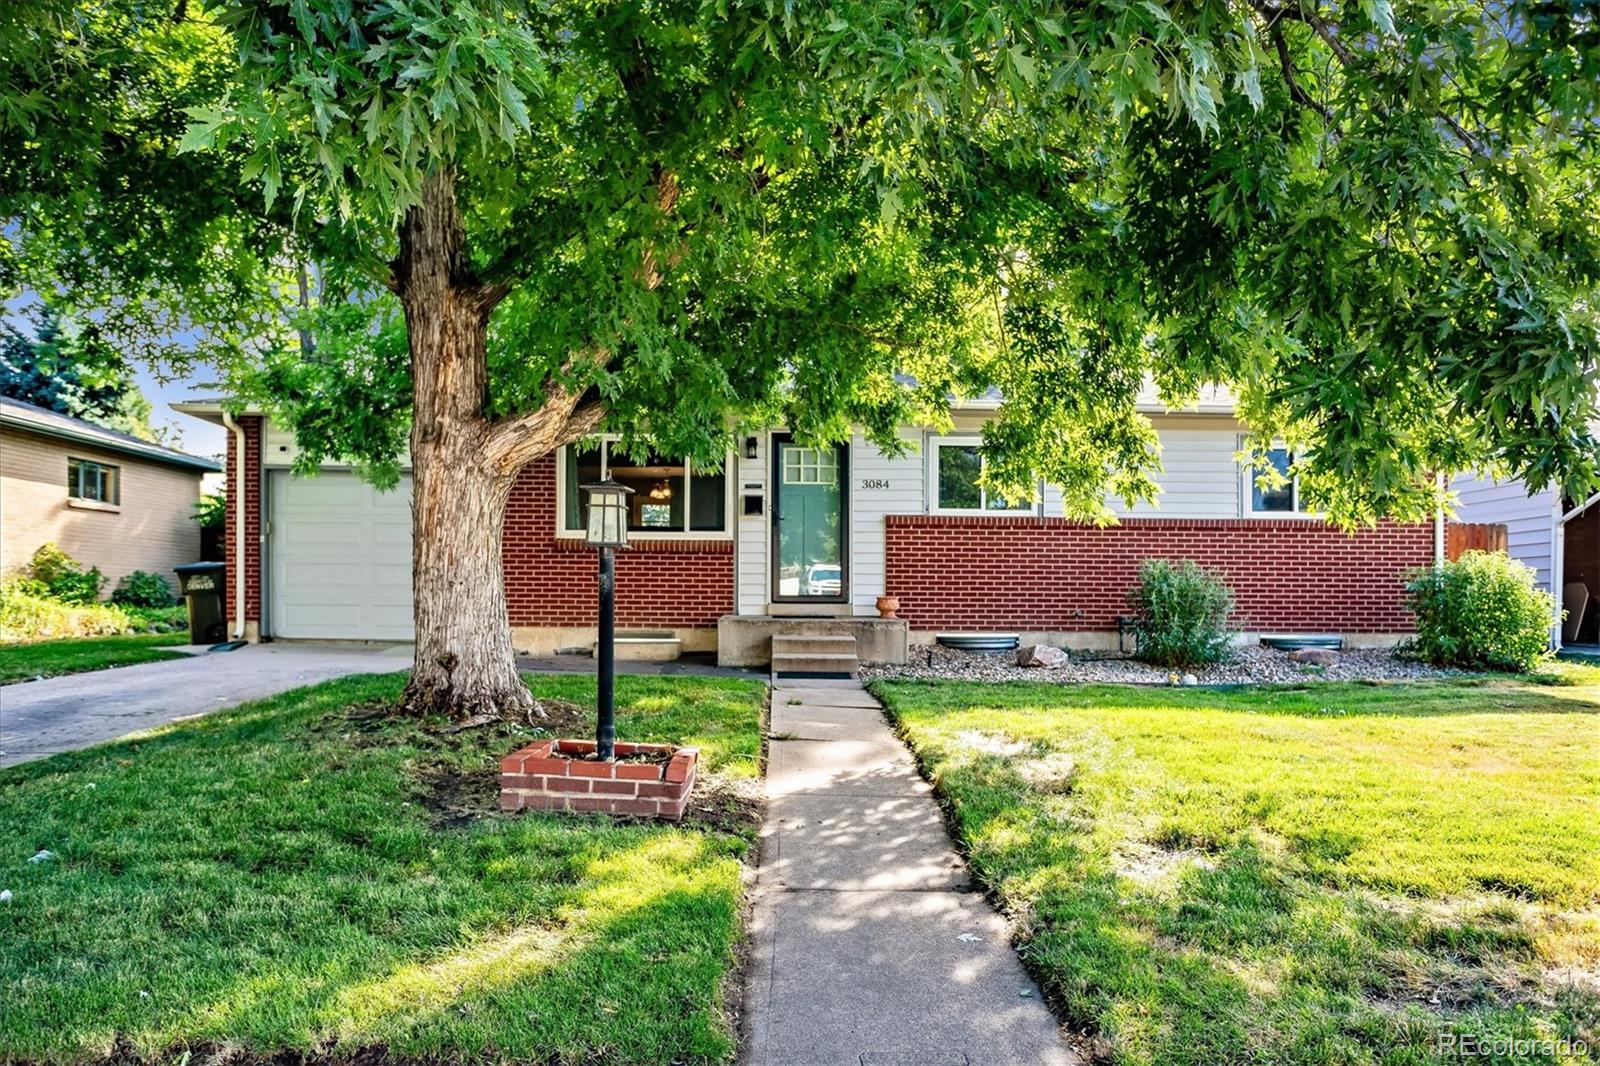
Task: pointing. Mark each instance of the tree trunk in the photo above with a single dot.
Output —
(465, 665)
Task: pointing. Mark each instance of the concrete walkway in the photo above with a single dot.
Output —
(39, 718)
(870, 947)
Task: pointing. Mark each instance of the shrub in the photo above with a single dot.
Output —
(1481, 611)
(212, 510)
(65, 579)
(1181, 614)
(26, 615)
(143, 589)
(160, 619)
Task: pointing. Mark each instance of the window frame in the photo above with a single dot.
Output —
(606, 440)
(1247, 487)
(931, 445)
(75, 485)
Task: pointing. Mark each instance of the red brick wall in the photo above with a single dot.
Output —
(551, 581)
(252, 545)
(961, 572)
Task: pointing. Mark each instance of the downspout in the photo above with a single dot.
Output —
(1438, 519)
(238, 524)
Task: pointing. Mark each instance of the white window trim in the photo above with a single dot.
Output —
(89, 503)
(931, 445)
(1247, 485)
(728, 480)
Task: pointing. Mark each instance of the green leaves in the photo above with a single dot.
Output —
(1375, 224)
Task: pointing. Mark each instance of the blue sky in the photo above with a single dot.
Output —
(197, 437)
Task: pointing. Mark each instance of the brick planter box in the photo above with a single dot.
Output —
(553, 775)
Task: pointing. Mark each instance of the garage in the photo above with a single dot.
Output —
(339, 558)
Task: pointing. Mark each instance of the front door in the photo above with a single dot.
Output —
(809, 502)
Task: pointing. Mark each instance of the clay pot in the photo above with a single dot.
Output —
(887, 606)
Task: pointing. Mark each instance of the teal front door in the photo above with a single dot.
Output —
(809, 501)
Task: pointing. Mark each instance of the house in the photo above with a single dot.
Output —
(106, 498)
(789, 538)
(1558, 537)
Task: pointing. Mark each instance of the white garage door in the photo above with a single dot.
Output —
(340, 558)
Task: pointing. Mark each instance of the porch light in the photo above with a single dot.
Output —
(608, 530)
(608, 514)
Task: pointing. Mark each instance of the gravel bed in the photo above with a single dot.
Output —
(1251, 665)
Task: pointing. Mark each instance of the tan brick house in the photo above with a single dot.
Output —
(108, 499)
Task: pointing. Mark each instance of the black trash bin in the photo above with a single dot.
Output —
(201, 585)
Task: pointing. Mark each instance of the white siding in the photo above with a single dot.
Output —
(1529, 519)
(754, 534)
(879, 485)
(1200, 477)
(278, 449)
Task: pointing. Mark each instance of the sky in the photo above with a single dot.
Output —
(195, 436)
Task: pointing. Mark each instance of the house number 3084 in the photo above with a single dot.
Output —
(874, 482)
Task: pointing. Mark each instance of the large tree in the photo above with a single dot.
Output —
(507, 224)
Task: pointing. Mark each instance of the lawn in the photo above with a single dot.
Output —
(51, 658)
(297, 873)
(1325, 874)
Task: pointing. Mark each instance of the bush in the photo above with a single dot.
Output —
(143, 589)
(64, 579)
(1181, 614)
(1481, 611)
(26, 615)
(160, 619)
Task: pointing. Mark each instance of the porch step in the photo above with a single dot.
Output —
(814, 655)
(813, 664)
(815, 644)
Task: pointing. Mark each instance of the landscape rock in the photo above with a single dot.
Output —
(1245, 665)
(1314, 656)
(1035, 655)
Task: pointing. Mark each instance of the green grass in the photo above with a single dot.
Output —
(275, 876)
(1325, 875)
(52, 658)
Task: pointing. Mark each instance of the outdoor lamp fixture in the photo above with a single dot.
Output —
(750, 446)
(607, 531)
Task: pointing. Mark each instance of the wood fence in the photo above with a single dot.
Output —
(1462, 537)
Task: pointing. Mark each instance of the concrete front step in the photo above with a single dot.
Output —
(813, 664)
(815, 643)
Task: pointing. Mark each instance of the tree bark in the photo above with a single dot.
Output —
(465, 665)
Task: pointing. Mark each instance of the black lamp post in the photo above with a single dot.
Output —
(607, 531)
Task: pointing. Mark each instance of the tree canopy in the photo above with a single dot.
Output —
(1376, 222)
(71, 373)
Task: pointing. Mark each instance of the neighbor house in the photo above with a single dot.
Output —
(106, 498)
(1555, 535)
(790, 539)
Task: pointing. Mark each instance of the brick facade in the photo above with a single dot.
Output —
(1051, 575)
(550, 581)
(252, 544)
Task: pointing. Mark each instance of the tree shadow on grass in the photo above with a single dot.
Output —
(1247, 948)
(256, 879)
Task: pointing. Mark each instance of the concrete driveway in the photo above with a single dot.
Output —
(39, 718)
